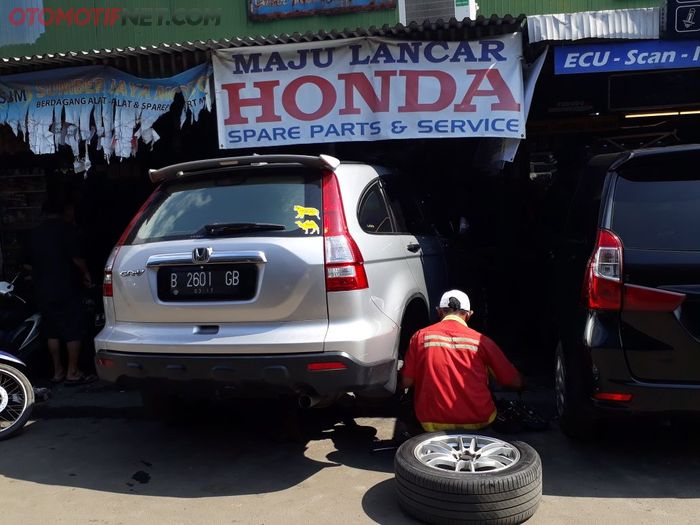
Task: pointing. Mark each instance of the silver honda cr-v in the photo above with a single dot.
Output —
(272, 273)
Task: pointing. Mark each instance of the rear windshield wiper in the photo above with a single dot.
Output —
(215, 230)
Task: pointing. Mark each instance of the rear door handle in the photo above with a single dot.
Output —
(413, 247)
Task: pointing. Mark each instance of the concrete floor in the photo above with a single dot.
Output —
(232, 466)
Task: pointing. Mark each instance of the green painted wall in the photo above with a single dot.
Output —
(234, 22)
(540, 7)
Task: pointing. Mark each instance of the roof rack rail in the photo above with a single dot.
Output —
(176, 171)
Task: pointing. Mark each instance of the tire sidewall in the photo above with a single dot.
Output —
(29, 393)
(406, 460)
(577, 417)
(563, 406)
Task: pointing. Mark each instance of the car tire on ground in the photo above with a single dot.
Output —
(576, 417)
(503, 495)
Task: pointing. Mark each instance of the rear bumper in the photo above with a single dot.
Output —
(243, 374)
(611, 374)
(649, 398)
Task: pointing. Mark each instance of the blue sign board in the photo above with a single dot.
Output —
(627, 56)
(265, 9)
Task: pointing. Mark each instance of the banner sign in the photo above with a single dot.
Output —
(265, 9)
(72, 106)
(626, 56)
(369, 89)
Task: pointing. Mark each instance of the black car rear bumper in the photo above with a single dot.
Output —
(649, 397)
(244, 374)
(611, 374)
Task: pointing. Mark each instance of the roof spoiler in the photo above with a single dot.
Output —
(176, 171)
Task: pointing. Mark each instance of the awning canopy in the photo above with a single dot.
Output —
(635, 24)
(164, 60)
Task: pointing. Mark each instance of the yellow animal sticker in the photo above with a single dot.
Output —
(306, 212)
(308, 226)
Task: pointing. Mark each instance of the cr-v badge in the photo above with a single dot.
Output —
(132, 273)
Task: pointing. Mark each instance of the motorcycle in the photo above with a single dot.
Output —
(19, 327)
(19, 336)
(16, 396)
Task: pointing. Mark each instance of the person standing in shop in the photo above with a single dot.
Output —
(59, 271)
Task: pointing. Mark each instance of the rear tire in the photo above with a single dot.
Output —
(14, 383)
(576, 417)
(444, 497)
(415, 318)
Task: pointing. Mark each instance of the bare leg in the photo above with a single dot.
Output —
(55, 352)
(73, 353)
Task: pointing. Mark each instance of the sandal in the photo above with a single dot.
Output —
(82, 379)
(58, 380)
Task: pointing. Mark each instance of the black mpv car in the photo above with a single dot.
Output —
(628, 289)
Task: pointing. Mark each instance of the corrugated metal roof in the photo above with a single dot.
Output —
(548, 7)
(168, 59)
(640, 23)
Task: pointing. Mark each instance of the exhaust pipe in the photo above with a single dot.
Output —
(307, 401)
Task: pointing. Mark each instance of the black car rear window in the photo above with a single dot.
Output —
(288, 198)
(653, 214)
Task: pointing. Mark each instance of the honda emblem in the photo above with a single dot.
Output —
(201, 255)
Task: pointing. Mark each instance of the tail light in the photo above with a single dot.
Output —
(602, 288)
(107, 283)
(641, 298)
(345, 268)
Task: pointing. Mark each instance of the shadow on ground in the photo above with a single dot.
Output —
(630, 459)
(221, 451)
(254, 449)
(380, 504)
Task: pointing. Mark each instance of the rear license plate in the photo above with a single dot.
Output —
(219, 282)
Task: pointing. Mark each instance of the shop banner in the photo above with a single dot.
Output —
(369, 89)
(626, 56)
(262, 9)
(72, 106)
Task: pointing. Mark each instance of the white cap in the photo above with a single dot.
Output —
(461, 297)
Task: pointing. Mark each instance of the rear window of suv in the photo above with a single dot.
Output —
(289, 199)
(653, 214)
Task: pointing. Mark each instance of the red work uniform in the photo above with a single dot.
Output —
(450, 364)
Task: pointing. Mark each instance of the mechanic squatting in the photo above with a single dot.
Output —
(388, 89)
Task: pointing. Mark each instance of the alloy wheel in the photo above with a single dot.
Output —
(467, 453)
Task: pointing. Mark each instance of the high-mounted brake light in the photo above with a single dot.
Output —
(108, 283)
(345, 268)
(602, 287)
